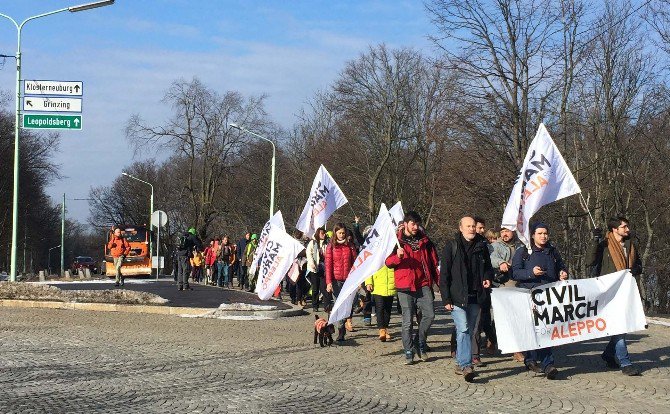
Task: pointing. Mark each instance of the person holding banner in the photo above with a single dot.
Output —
(466, 274)
(340, 256)
(543, 265)
(316, 268)
(607, 255)
(415, 266)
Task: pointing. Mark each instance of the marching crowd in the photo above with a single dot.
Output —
(472, 263)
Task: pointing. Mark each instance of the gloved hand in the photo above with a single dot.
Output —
(597, 234)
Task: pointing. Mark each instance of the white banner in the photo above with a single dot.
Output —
(379, 243)
(566, 312)
(280, 251)
(543, 179)
(324, 198)
(278, 221)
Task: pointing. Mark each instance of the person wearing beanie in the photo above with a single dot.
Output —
(541, 266)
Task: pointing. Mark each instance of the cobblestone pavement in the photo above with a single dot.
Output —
(57, 361)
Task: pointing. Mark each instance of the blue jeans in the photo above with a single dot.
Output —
(544, 355)
(617, 347)
(222, 274)
(464, 321)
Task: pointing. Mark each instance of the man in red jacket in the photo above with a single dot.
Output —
(119, 249)
(416, 271)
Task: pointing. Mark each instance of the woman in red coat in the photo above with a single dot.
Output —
(340, 256)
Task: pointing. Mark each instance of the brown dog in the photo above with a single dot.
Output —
(323, 331)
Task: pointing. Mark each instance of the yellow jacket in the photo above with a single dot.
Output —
(383, 282)
(197, 259)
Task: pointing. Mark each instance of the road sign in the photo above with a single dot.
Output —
(49, 87)
(51, 121)
(158, 262)
(159, 218)
(51, 104)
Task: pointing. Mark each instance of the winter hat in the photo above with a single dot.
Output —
(254, 236)
(537, 225)
(192, 231)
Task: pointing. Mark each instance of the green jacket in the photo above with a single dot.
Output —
(383, 282)
(601, 263)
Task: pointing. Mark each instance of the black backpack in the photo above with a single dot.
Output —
(183, 242)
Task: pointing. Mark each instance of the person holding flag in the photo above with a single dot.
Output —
(340, 256)
(543, 265)
(415, 266)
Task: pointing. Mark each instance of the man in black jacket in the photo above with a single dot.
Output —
(465, 276)
(187, 243)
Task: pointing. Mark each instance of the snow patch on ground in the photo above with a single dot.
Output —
(229, 317)
(95, 281)
(658, 321)
(245, 307)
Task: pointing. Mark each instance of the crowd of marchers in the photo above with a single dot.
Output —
(471, 264)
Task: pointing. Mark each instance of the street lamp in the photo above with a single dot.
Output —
(15, 201)
(151, 207)
(50, 249)
(62, 233)
(272, 181)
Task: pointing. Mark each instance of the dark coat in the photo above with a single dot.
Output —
(600, 261)
(454, 271)
(548, 258)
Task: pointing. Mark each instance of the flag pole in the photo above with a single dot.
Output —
(586, 207)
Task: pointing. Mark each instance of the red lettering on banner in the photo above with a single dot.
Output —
(361, 259)
(318, 208)
(576, 328)
(534, 185)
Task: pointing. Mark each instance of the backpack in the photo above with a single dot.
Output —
(183, 242)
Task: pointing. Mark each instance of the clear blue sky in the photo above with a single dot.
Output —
(127, 55)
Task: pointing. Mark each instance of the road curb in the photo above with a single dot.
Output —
(149, 309)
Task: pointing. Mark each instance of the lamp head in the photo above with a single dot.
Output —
(89, 6)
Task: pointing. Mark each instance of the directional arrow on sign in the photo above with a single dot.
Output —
(76, 88)
(76, 122)
(29, 103)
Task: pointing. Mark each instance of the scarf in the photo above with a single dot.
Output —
(412, 241)
(617, 254)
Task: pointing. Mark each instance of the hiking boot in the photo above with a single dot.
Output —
(382, 335)
(491, 348)
(388, 334)
(532, 366)
(630, 370)
(610, 361)
(340, 334)
(349, 326)
(409, 357)
(551, 372)
(519, 357)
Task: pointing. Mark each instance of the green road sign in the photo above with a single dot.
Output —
(50, 121)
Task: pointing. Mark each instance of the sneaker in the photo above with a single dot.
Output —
(476, 361)
(181, 287)
(468, 374)
(423, 352)
(532, 366)
(610, 361)
(367, 321)
(116, 284)
(551, 372)
(409, 357)
(630, 370)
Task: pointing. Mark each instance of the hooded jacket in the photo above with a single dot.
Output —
(548, 258)
(455, 266)
(417, 268)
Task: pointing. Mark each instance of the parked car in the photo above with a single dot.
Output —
(81, 262)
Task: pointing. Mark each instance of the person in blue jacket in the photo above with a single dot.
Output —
(541, 266)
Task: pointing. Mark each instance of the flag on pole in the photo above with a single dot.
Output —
(278, 221)
(324, 198)
(397, 214)
(379, 243)
(543, 179)
(280, 251)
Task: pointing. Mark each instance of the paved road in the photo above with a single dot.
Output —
(56, 361)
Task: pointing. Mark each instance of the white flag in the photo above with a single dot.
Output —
(543, 179)
(397, 215)
(278, 221)
(280, 251)
(379, 243)
(324, 198)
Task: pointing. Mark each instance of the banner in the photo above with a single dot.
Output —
(324, 198)
(567, 311)
(278, 221)
(543, 179)
(379, 243)
(280, 251)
